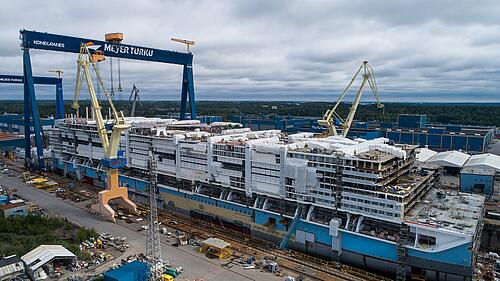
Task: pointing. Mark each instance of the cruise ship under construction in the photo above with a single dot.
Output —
(362, 203)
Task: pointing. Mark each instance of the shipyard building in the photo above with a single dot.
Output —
(361, 202)
(409, 129)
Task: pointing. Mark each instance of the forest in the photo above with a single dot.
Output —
(452, 113)
(19, 235)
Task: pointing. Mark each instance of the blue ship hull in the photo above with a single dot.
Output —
(356, 249)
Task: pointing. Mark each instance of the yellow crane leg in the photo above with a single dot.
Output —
(112, 192)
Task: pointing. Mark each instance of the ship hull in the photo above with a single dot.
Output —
(357, 250)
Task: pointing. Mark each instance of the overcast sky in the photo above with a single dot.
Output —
(426, 51)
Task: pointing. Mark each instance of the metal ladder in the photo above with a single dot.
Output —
(402, 252)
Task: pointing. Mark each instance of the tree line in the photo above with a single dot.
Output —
(452, 113)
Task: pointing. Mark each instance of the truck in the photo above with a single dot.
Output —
(174, 272)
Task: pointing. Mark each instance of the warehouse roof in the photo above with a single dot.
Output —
(449, 158)
(9, 265)
(424, 154)
(45, 253)
(9, 206)
(486, 161)
(216, 242)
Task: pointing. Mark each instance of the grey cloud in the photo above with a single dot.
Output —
(301, 50)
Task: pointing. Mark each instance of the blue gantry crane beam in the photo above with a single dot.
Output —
(32, 119)
(61, 43)
(41, 80)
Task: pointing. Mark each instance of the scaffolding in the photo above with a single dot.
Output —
(153, 247)
(402, 252)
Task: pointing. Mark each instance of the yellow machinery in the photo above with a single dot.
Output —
(112, 160)
(331, 116)
(166, 277)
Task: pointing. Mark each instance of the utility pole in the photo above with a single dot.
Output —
(153, 247)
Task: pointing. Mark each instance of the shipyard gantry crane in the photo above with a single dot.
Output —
(113, 158)
(331, 116)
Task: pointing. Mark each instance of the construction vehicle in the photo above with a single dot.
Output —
(331, 118)
(113, 158)
(174, 272)
(166, 277)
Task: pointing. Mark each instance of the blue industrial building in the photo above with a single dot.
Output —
(14, 209)
(413, 129)
(207, 119)
(481, 174)
(134, 271)
(285, 124)
(14, 123)
(410, 129)
(477, 181)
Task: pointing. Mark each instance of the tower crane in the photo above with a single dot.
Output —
(113, 157)
(184, 41)
(331, 116)
(135, 95)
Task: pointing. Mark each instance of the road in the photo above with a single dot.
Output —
(196, 265)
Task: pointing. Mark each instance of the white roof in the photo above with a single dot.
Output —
(9, 265)
(424, 154)
(216, 242)
(486, 161)
(449, 158)
(45, 253)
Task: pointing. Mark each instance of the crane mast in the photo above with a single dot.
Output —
(135, 95)
(113, 160)
(331, 116)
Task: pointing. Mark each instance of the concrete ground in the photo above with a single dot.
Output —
(494, 147)
(196, 265)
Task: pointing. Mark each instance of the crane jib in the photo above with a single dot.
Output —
(55, 42)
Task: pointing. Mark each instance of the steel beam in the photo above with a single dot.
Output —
(31, 112)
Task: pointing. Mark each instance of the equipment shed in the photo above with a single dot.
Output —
(215, 247)
(42, 256)
(480, 174)
(450, 161)
(14, 209)
(134, 271)
(485, 161)
(11, 268)
(423, 154)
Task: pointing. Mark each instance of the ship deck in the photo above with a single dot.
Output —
(449, 210)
